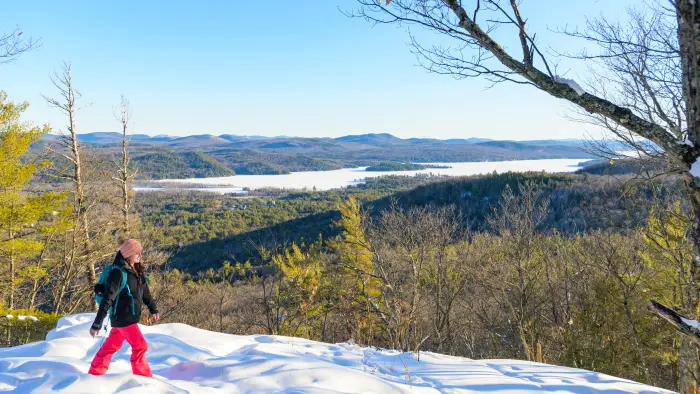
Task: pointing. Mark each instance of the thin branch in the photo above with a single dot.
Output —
(15, 43)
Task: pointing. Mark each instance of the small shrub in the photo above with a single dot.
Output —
(22, 326)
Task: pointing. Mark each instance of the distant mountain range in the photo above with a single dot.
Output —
(208, 155)
(113, 137)
(379, 140)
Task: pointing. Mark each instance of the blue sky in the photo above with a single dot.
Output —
(270, 68)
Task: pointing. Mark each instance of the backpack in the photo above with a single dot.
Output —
(100, 288)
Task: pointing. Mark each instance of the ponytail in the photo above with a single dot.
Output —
(138, 268)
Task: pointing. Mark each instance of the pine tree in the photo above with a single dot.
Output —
(353, 249)
(669, 255)
(299, 290)
(669, 259)
(361, 287)
(24, 216)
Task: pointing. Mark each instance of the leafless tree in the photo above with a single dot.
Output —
(124, 174)
(69, 149)
(409, 248)
(636, 63)
(519, 219)
(14, 43)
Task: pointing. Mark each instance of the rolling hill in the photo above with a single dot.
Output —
(178, 164)
(205, 155)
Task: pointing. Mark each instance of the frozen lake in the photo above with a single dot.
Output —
(326, 180)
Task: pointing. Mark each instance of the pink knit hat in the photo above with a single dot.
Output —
(130, 247)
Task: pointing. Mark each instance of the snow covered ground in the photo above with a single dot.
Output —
(185, 359)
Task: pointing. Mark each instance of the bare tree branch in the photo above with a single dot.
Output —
(15, 43)
(450, 18)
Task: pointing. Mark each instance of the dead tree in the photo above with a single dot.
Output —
(124, 174)
(80, 245)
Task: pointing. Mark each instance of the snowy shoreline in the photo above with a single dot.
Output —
(335, 179)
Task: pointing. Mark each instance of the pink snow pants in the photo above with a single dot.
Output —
(114, 342)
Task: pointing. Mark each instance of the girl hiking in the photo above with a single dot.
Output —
(121, 292)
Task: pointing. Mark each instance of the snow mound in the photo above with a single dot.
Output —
(695, 168)
(185, 359)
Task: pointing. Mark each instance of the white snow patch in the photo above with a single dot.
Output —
(9, 316)
(693, 323)
(695, 168)
(20, 317)
(185, 359)
(686, 141)
(573, 84)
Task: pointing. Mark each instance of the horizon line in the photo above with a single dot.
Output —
(323, 137)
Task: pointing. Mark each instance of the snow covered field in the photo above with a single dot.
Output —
(185, 359)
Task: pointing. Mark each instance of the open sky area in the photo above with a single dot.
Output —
(298, 68)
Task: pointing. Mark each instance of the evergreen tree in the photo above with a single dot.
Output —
(24, 216)
(298, 292)
(669, 259)
(357, 283)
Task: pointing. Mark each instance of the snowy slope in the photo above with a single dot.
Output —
(189, 360)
